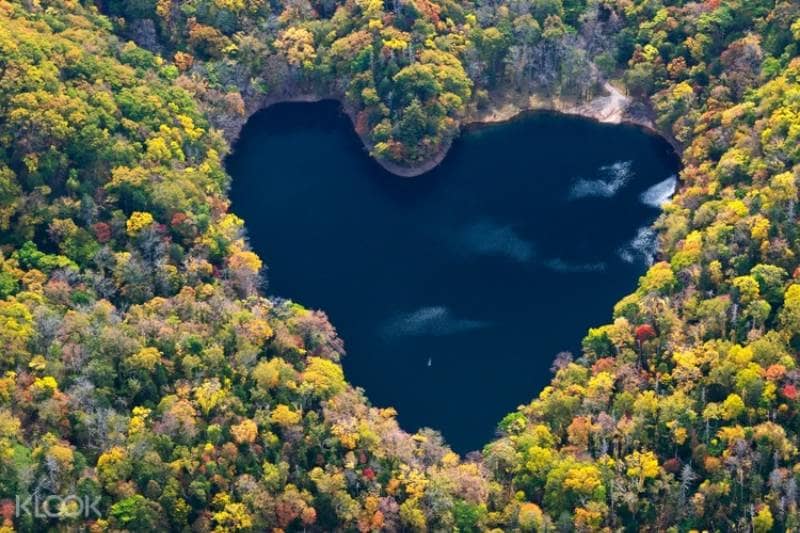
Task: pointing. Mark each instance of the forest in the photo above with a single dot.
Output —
(142, 367)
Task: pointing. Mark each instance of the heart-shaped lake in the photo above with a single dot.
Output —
(453, 291)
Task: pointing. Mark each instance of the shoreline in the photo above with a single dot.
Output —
(397, 169)
(607, 109)
(611, 108)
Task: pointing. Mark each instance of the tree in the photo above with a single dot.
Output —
(297, 44)
(245, 432)
(138, 221)
(413, 125)
(733, 407)
(135, 512)
(16, 330)
(742, 62)
(790, 314)
(763, 521)
(639, 80)
(642, 467)
(283, 415)
(542, 9)
(326, 377)
(770, 280)
(531, 517)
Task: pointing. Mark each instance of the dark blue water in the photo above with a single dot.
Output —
(453, 291)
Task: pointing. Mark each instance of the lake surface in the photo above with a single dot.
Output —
(453, 291)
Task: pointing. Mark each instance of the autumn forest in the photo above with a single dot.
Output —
(144, 369)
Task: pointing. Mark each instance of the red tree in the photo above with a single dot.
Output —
(789, 391)
(102, 232)
(645, 332)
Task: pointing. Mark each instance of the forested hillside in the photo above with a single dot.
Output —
(142, 366)
(409, 71)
